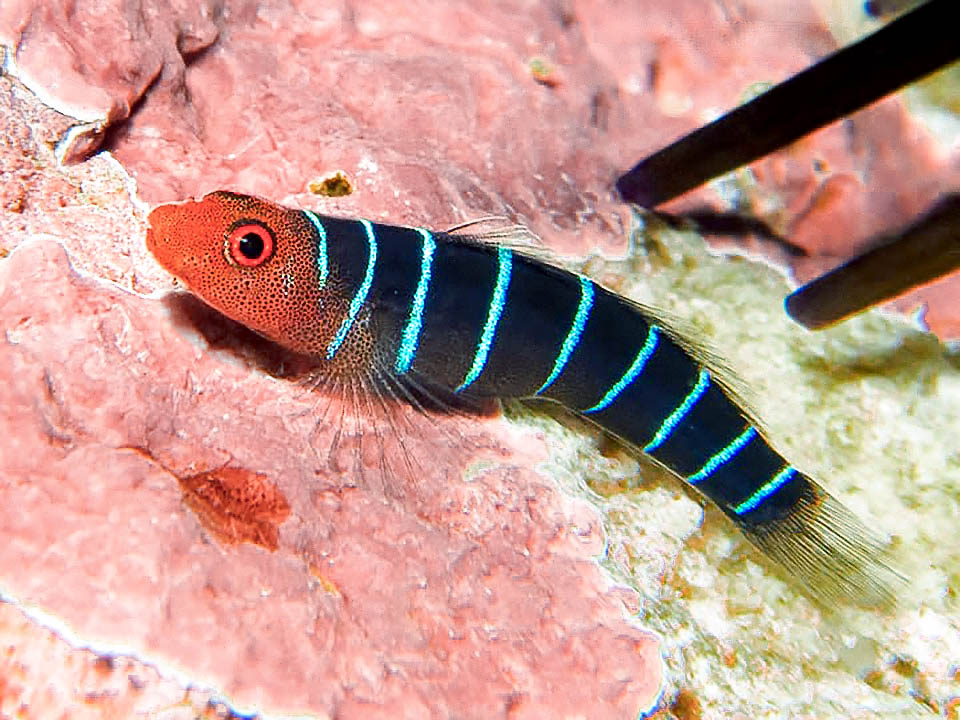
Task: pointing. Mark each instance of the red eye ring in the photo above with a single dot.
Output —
(249, 245)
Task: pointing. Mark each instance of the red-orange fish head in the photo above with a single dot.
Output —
(251, 259)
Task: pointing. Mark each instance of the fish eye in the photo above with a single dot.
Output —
(249, 244)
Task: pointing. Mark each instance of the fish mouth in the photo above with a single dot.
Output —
(164, 231)
(158, 237)
(164, 217)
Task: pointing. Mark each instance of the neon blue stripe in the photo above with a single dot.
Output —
(724, 456)
(357, 302)
(411, 333)
(322, 269)
(649, 346)
(573, 337)
(677, 416)
(778, 481)
(494, 312)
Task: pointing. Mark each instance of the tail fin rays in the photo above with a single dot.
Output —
(829, 550)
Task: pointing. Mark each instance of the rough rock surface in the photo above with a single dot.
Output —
(128, 524)
(42, 676)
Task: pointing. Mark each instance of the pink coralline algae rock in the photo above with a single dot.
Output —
(59, 51)
(442, 597)
(164, 496)
(42, 677)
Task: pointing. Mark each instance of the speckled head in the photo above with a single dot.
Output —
(251, 259)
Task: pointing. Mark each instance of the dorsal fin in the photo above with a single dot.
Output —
(500, 231)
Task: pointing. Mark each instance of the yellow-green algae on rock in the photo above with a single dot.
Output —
(872, 409)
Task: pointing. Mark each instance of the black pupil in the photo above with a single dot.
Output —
(251, 245)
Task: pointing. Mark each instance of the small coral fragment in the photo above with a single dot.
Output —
(686, 706)
(334, 185)
(544, 72)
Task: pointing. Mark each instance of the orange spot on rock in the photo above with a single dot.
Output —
(104, 664)
(544, 72)
(237, 505)
(326, 583)
(687, 706)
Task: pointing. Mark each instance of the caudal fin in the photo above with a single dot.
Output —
(828, 549)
